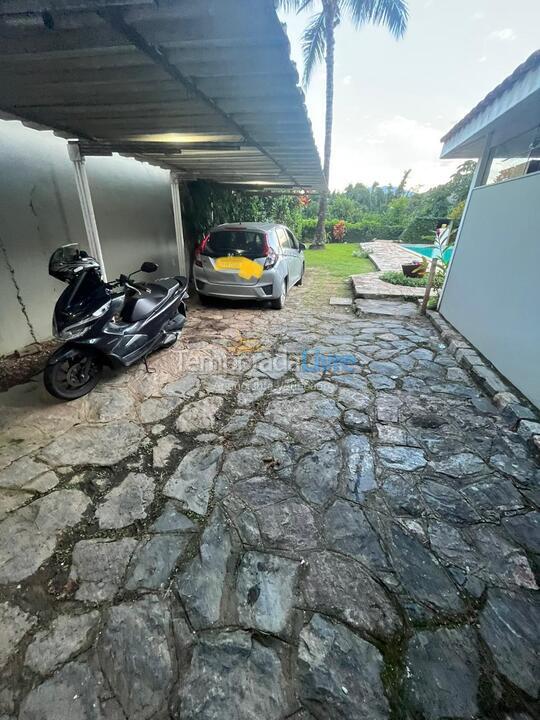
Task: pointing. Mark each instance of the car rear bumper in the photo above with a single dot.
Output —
(264, 291)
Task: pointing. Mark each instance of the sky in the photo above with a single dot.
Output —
(394, 100)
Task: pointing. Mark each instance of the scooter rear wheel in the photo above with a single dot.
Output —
(73, 377)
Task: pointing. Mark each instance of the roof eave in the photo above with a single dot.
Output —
(520, 87)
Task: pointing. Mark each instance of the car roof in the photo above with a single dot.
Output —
(264, 227)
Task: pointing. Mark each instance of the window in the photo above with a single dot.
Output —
(283, 238)
(516, 157)
(292, 240)
(235, 242)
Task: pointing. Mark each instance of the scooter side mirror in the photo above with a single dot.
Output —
(149, 267)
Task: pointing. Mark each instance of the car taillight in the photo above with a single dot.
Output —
(269, 253)
(200, 250)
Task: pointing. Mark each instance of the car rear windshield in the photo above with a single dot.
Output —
(247, 243)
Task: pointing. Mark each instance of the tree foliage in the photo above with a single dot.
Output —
(383, 208)
(392, 14)
(318, 45)
(383, 211)
(206, 204)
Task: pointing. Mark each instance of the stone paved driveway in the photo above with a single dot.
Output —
(237, 537)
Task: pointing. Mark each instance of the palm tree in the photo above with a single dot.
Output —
(318, 44)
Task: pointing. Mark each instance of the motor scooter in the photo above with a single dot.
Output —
(115, 324)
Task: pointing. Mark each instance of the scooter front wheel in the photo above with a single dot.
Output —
(72, 377)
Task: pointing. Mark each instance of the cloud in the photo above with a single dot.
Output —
(387, 148)
(504, 34)
(347, 79)
(478, 15)
(482, 59)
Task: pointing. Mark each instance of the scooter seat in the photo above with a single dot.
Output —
(139, 306)
(162, 287)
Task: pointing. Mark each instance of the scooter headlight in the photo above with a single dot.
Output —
(71, 332)
(75, 331)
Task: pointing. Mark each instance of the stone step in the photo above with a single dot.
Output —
(341, 301)
(392, 308)
(370, 286)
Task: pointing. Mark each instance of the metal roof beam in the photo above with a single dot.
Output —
(10, 7)
(136, 110)
(216, 69)
(157, 147)
(31, 96)
(117, 56)
(183, 124)
(167, 91)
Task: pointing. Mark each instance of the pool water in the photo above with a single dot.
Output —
(430, 251)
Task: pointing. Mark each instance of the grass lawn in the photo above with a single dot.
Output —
(338, 261)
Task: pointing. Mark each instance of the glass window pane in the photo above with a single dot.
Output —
(283, 238)
(235, 242)
(514, 158)
(534, 156)
(293, 241)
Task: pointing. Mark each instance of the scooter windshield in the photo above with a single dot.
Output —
(65, 254)
(68, 261)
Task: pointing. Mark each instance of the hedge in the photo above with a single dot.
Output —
(356, 232)
(420, 227)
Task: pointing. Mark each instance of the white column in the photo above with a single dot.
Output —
(477, 178)
(85, 198)
(183, 262)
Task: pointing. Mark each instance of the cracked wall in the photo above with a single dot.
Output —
(39, 210)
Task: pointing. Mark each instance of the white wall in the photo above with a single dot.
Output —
(39, 210)
(492, 294)
(133, 207)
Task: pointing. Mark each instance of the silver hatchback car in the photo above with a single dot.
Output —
(256, 261)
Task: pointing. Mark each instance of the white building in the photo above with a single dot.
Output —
(492, 290)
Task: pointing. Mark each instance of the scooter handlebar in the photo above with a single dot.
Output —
(126, 281)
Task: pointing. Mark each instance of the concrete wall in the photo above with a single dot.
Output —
(492, 293)
(39, 210)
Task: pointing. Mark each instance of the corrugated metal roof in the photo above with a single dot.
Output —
(205, 88)
(532, 62)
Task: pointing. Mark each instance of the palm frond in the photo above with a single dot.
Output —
(391, 13)
(294, 5)
(313, 45)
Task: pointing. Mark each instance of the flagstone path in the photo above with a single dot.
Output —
(297, 514)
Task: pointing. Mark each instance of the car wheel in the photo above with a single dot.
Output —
(205, 300)
(279, 303)
(301, 276)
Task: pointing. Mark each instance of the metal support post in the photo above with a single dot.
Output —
(85, 198)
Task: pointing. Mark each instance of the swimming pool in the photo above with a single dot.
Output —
(430, 251)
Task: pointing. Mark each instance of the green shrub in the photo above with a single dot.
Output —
(366, 231)
(422, 229)
(398, 278)
(356, 232)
